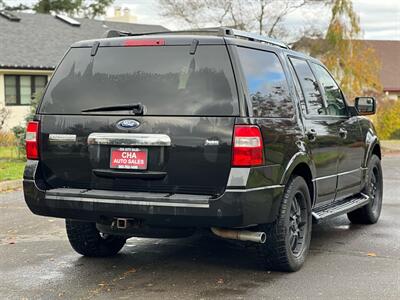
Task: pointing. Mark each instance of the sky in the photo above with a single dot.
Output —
(380, 19)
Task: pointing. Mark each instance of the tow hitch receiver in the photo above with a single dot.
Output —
(122, 223)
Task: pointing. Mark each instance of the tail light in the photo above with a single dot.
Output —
(32, 140)
(147, 42)
(248, 147)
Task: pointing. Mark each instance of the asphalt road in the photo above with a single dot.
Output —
(345, 262)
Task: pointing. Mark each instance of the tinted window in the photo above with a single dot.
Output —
(166, 80)
(309, 87)
(299, 92)
(334, 98)
(267, 83)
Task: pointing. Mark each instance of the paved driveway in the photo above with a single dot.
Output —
(346, 261)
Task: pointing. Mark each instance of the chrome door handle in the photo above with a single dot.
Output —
(343, 133)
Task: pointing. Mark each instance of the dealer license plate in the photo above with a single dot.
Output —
(128, 158)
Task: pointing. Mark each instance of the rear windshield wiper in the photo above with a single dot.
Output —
(137, 108)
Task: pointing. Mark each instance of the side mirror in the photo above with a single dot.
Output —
(365, 105)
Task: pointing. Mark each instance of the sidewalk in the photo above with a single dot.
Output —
(390, 148)
(10, 185)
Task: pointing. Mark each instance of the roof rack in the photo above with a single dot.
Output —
(256, 38)
(219, 31)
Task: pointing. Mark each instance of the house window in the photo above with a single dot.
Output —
(19, 89)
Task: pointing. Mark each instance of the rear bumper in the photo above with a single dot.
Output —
(235, 208)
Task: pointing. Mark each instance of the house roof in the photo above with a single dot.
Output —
(38, 41)
(388, 53)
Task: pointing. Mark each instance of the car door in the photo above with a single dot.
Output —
(321, 130)
(350, 139)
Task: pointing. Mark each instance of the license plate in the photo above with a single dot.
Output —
(128, 158)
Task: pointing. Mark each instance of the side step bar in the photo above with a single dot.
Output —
(340, 207)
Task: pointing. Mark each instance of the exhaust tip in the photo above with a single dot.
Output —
(241, 235)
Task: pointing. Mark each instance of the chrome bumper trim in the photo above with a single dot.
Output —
(339, 174)
(55, 137)
(254, 189)
(128, 139)
(128, 202)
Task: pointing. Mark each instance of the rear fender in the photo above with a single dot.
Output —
(371, 140)
(297, 159)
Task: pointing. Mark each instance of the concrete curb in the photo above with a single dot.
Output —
(10, 185)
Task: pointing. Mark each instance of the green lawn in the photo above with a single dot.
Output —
(11, 164)
(11, 169)
(9, 152)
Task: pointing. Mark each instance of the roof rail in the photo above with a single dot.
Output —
(254, 37)
(218, 31)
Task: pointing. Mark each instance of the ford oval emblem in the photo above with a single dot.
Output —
(128, 124)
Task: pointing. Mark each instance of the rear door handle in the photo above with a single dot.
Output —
(311, 135)
(343, 133)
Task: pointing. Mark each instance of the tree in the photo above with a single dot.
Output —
(67, 6)
(351, 61)
(20, 6)
(96, 8)
(263, 16)
(90, 9)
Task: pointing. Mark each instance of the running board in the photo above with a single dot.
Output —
(340, 207)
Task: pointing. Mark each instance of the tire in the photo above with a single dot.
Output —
(278, 254)
(88, 241)
(370, 213)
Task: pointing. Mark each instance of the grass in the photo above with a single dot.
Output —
(9, 152)
(11, 169)
(11, 163)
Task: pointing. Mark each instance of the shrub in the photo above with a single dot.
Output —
(387, 120)
(20, 131)
(7, 138)
(395, 135)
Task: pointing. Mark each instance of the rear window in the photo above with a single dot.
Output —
(167, 80)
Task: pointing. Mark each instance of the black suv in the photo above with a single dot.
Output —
(157, 135)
